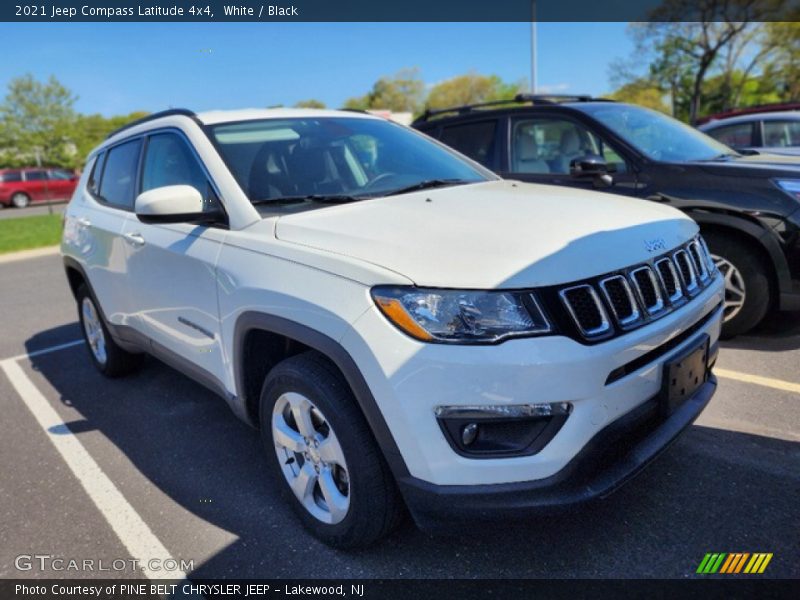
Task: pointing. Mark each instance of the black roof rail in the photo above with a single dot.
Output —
(521, 98)
(156, 115)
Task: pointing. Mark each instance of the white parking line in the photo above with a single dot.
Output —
(47, 350)
(132, 531)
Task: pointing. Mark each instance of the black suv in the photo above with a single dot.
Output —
(747, 206)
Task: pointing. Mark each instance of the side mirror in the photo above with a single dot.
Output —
(590, 165)
(170, 204)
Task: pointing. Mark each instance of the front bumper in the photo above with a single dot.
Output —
(603, 382)
(612, 457)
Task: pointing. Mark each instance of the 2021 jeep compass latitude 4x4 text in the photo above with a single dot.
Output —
(402, 326)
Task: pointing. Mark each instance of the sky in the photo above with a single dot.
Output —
(117, 68)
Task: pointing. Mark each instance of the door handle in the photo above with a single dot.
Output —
(134, 239)
(84, 222)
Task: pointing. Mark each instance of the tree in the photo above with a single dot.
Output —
(312, 103)
(471, 88)
(688, 41)
(36, 122)
(90, 130)
(783, 70)
(401, 93)
(642, 92)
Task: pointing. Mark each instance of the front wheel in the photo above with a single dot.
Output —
(747, 285)
(321, 451)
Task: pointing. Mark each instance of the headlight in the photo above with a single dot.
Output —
(454, 316)
(790, 186)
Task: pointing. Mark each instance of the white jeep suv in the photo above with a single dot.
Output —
(403, 327)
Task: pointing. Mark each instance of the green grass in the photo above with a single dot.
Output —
(29, 232)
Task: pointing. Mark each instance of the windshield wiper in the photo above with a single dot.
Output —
(723, 156)
(425, 185)
(321, 198)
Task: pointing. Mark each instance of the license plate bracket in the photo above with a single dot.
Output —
(683, 375)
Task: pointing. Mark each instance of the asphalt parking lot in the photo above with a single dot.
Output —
(188, 477)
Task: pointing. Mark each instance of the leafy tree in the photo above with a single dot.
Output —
(90, 130)
(688, 42)
(312, 103)
(642, 92)
(783, 70)
(36, 121)
(401, 93)
(471, 88)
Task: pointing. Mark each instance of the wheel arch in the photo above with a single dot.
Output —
(257, 332)
(75, 275)
(757, 236)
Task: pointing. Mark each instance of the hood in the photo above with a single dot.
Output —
(762, 164)
(498, 234)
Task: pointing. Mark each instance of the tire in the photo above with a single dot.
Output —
(111, 360)
(367, 506)
(746, 274)
(20, 200)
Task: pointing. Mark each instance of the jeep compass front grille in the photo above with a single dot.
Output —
(639, 294)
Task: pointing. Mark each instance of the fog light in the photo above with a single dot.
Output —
(505, 430)
(469, 433)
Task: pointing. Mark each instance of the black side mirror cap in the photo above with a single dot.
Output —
(590, 165)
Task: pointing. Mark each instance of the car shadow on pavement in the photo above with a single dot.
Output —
(779, 331)
(714, 490)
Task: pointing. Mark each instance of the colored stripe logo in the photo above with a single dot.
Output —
(734, 562)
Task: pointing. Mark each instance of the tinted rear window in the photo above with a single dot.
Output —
(35, 175)
(97, 172)
(10, 176)
(119, 175)
(476, 140)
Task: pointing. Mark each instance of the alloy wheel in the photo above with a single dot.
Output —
(19, 200)
(735, 291)
(94, 331)
(311, 457)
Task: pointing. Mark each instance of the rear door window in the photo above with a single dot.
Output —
(97, 172)
(118, 185)
(11, 176)
(781, 134)
(35, 175)
(476, 140)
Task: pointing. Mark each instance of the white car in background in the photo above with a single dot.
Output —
(403, 326)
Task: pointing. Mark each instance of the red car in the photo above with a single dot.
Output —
(21, 187)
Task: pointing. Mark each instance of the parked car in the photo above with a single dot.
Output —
(772, 132)
(747, 206)
(402, 325)
(21, 187)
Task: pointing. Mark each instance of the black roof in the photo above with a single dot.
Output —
(515, 102)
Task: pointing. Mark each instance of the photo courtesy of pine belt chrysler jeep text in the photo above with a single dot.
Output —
(406, 329)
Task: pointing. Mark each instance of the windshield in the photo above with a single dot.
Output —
(335, 157)
(655, 134)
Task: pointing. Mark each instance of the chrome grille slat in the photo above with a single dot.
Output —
(687, 271)
(639, 294)
(619, 295)
(696, 252)
(670, 280)
(648, 290)
(587, 310)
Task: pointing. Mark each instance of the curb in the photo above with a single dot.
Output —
(27, 254)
